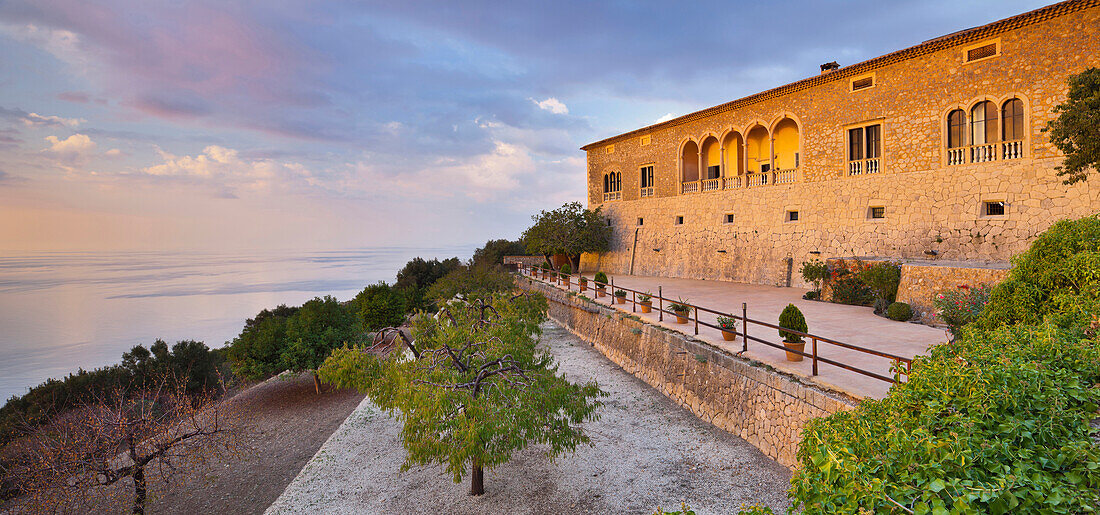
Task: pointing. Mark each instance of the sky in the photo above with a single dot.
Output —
(276, 124)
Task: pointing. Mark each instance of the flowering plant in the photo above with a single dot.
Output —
(727, 323)
(962, 305)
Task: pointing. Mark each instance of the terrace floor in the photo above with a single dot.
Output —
(854, 325)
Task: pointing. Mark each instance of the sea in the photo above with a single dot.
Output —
(61, 311)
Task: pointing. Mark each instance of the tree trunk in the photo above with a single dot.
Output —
(576, 259)
(139, 491)
(316, 382)
(477, 478)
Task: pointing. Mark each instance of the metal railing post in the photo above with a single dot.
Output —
(633, 301)
(612, 296)
(660, 306)
(815, 356)
(745, 326)
(696, 320)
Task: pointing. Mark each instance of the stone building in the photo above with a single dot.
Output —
(932, 155)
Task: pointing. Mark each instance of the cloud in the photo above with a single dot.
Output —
(664, 118)
(223, 169)
(37, 120)
(114, 152)
(553, 105)
(74, 151)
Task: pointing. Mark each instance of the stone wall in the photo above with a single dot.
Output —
(920, 283)
(748, 399)
(931, 208)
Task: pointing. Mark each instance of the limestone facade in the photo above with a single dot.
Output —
(933, 198)
(766, 408)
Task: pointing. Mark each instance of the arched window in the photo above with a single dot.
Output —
(983, 123)
(1012, 120)
(612, 186)
(956, 128)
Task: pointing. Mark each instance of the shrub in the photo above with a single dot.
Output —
(727, 323)
(996, 422)
(471, 282)
(566, 270)
(814, 272)
(645, 297)
(681, 306)
(812, 295)
(600, 277)
(620, 293)
(1056, 277)
(961, 306)
(848, 288)
(379, 305)
(791, 318)
(882, 279)
(899, 311)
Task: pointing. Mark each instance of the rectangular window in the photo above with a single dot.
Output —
(981, 52)
(864, 149)
(645, 140)
(713, 172)
(792, 216)
(873, 142)
(878, 212)
(996, 208)
(855, 144)
(641, 221)
(679, 220)
(647, 176)
(729, 218)
(863, 83)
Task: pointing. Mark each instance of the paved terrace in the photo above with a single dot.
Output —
(848, 324)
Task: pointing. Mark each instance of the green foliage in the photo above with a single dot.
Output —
(256, 353)
(848, 288)
(996, 422)
(380, 305)
(480, 390)
(472, 282)
(899, 311)
(814, 272)
(571, 230)
(421, 274)
(680, 306)
(600, 277)
(791, 318)
(727, 322)
(565, 270)
(1058, 277)
(196, 366)
(620, 293)
(961, 306)
(645, 297)
(1076, 131)
(320, 325)
(882, 279)
(492, 254)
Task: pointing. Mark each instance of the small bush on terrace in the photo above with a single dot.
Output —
(961, 306)
(899, 311)
(791, 318)
(882, 279)
(600, 277)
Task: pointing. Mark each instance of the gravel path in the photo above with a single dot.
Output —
(646, 452)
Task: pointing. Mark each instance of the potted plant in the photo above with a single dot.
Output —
(565, 271)
(645, 300)
(620, 296)
(681, 310)
(583, 281)
(601, 284)
(729, 328)
(791, 318)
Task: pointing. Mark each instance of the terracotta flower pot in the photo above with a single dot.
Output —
(681, 319)
(601, 291)
(565, 281)
(800, 347)
(729, 335)
(620, 300)
(584, 285)
(646, 306)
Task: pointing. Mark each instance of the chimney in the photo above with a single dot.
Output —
(829, 67)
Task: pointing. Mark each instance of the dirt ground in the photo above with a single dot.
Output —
(646, 452)
(286, 423)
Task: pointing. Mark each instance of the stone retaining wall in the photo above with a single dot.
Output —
(748, 399)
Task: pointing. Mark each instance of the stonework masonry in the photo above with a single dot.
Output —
(747, 399)
(932, 210)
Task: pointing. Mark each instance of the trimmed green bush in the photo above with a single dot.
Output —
(899, 311)
(1057, 277)
(600, 277)
(566, 269)
(791, 318)
(882, 279)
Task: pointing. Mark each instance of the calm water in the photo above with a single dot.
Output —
(63, 311)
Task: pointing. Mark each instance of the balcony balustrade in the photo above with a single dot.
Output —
(646, 192)
(711, 184)
(985, 152)
(612, 195)
(863, 166)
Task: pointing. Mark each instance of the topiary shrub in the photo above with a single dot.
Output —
(600, 277)
(899, 311)
(791, 318)
(1057, 277)
(882, 279)
(566, 269)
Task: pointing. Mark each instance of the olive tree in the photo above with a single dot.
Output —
(1076, 130)
(470, 386)
(571, 230)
